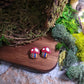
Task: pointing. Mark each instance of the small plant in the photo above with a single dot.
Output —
(60, 45)
(3, 41)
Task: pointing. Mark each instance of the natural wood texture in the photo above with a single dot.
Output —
(19, 55)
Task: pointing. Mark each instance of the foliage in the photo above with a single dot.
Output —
(62, 56)
(68, 19)
(80, 44)
(60, 33)
(58, 8)
(70, 59)
(3, 41)
(60, 45)
(76, 73)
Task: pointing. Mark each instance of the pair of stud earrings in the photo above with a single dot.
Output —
(35, 51)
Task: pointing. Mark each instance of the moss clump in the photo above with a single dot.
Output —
(80, 44)
(24, 17)
(69, 19)
(62, 56)
(76, 73)
(3, 41)
(26, 20)
(60, 33)
(56, 11)
(70, 59)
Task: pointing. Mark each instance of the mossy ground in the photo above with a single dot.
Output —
(27, 19)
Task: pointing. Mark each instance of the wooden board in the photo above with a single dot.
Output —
(19, 55)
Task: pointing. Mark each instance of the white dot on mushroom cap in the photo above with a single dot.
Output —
(43, 48)
(32, 50)
(36, 49)
(47, 49)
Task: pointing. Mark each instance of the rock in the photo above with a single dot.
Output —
(4, 67)
(19, 76)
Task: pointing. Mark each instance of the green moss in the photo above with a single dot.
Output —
(56, 11)
(76, 73)
(60, 45)
(70, 59)
(60, 33)
(80, 44)
(62, 56)
(25, 16)
(68, 19)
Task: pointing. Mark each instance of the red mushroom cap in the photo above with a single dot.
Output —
(35, 50)
(46, 49)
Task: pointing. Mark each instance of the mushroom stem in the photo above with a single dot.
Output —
(44, 54)
(35, 55)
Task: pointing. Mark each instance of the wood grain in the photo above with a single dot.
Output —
(20, 55)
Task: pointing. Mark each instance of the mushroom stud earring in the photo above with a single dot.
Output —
(45, 52)
(34, 52)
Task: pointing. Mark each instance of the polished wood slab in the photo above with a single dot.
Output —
(19, 55)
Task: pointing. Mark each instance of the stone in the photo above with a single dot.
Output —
(20, 76)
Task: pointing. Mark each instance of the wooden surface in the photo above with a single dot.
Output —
(20, 55)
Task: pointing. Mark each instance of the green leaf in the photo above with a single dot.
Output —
(58, 46)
